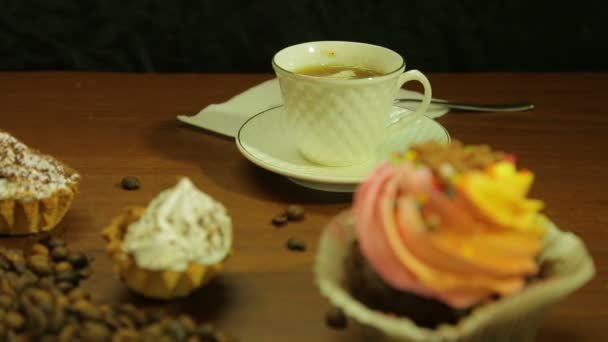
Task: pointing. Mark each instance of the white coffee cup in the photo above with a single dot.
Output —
(340, 122)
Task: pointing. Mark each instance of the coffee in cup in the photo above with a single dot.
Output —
(338, 96)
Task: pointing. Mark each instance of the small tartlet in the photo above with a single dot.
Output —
(165, 283)
(36, 190)
(154, 284)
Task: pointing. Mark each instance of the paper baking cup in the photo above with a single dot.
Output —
(514, 318)
(151, 283)
(28, 216)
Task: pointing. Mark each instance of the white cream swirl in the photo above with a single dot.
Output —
(181, 225)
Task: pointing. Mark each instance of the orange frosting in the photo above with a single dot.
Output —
(459, 239)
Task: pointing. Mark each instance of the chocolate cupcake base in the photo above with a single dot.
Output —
(366, 286)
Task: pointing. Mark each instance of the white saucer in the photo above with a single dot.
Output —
(262, 140)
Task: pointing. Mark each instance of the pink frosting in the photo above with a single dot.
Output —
(397, 242)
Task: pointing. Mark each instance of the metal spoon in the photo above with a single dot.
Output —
(498, 107)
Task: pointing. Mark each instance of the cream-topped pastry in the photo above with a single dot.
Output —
(27, 174)
(459, 233)
(174, 245)
(36, 190)
(442, 243)
(181, 225)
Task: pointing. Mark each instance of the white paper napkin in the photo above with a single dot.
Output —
(226, 118)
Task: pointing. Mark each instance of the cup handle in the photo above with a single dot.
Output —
(403, 118)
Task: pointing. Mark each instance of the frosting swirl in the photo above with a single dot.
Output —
(459, 237)
(179, 226)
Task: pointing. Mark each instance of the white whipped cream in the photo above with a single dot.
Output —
(181, 225)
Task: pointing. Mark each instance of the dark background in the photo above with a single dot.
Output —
(242, 36)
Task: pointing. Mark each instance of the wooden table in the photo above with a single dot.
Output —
(111, 125)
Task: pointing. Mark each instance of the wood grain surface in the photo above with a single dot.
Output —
(112, 125)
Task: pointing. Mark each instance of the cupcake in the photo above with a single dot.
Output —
(443, 244)
(36, 190)
(173, 246)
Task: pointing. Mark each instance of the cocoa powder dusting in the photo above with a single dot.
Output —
(27, 172)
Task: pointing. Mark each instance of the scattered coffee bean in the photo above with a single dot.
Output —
(78, 260)
(59, 253)
(94, 331)
(125, 321)
(206, 333)
(126, 335)
(188, 323)
(52, 242)
(86, 309)
(14, 320)
(40, 298)
(295, 212)
(279, 220)
(336, 319)
(65, 286)
(40, 249)
(68, 332)
(130, 183)
(84, 273)
(177, 330)
(295, 244)
(40, 264)
(63, 267)
(78, 294)
(70, 276)
(5, 302)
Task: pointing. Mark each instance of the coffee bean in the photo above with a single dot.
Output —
(295, 213)
(5, 265)
(78, 260)
(39, 249)
(138, 316)
(68, 333)
(69, 276)
(279, 220)
(294, 244)
(63, 267)
(77, 294)
(130, 183)
(57, 319)
(84, 273)
(86, 309)
(6, 302)
(16, 261)
(206, 333)
(46, 282)
(126, 322)
(36, 319)
(40, 298)
(109, 318)
(14, 320)
(59, 253)
(52, 242)
(65, 286)
(126, 335)
(40, 264)
(188, 323)
(177, 330)
(336, 319)
(94, 331)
